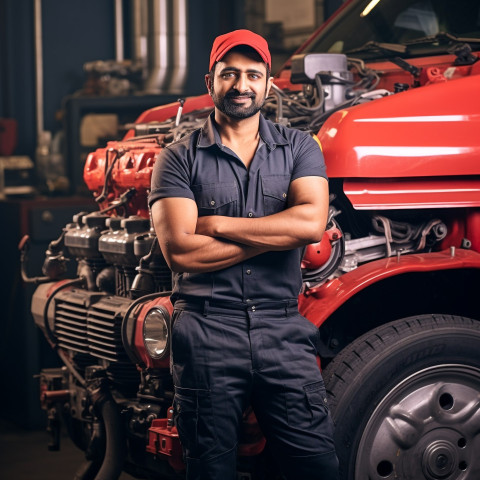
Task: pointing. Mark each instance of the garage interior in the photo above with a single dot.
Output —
(73, 76)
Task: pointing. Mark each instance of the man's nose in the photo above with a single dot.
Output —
(242, 83)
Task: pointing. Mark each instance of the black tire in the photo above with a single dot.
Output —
(405, 399)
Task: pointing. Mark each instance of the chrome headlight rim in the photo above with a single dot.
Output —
(152, 339)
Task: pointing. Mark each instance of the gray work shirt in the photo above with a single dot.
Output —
(199, 167)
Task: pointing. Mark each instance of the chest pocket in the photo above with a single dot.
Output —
(217, 199)
(275, 189)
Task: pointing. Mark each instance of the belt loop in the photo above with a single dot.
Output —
(291, 307)
(205, 308)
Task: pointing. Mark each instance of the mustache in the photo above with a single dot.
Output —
(235, 94)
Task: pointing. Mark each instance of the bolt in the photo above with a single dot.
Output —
(334, 343)
(441, 461)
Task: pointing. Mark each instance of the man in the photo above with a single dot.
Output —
(232, 203)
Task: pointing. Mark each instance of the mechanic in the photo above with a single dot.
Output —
(233, 203)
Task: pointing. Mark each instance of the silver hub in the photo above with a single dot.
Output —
(439, 460)
(427, 427)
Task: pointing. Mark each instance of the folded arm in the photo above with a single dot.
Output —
(175, 220)
(303, 222)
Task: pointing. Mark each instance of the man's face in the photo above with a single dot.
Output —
(240, 85)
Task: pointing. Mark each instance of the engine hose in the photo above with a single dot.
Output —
(94, 454)
(297, 106)
(23, 247)
(87, 470)
(107, 173)
(115, 448)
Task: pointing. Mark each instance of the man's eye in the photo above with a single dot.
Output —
(254, 76)
(228, 75)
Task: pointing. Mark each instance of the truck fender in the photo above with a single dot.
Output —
(318, 303)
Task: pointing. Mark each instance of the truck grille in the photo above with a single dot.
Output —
(90, 323)
(71, 321)
(104, 323)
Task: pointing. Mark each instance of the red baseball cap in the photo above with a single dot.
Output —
(224, 43)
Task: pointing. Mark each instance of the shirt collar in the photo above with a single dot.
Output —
(268, 133)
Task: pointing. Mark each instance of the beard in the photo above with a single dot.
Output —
(228, 107)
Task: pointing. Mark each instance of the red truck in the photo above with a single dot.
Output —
(392, 92)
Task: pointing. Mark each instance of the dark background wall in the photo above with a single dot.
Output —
(76, 32)
(79, 32)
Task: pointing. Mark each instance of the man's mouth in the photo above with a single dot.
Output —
(240, 98)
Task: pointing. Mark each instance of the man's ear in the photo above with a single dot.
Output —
(269, 85)
(208, 83)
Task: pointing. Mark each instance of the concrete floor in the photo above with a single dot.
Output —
(24, 456)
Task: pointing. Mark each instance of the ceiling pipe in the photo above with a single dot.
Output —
(119, 46)
(38, 68)
(179, 47)
(157, 47)
(139, 31)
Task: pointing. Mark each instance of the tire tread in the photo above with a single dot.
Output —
(342, 369)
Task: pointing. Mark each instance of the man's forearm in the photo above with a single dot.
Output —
(297, 226)
(201, 253)
(184, 250)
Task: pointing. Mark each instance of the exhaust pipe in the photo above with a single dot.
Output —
(119, 48)
(139, 34)
(179, 47)
(158, 47)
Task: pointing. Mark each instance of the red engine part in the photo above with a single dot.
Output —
(138, 344)
(126, 165)
(163, 440)
(252, 441)
(317, 254)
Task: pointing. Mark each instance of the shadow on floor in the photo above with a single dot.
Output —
(24, 456)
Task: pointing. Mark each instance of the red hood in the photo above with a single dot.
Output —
(428, 131)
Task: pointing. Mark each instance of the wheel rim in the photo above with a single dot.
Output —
(427, 427)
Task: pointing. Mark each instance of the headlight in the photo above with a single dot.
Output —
(155, 332)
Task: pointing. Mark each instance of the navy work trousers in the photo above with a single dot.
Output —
(225, 359)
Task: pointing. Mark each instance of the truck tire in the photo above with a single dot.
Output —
(405, 399)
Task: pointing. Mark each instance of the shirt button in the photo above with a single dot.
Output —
(249, 272)
(253, 308)
(250, 214)
(284, 195)
(212, 203)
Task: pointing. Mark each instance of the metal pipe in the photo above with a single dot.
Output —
(116, 446)
(179, 47)
(38, 68)
(139, 31)
(119, 48)
(158, 54)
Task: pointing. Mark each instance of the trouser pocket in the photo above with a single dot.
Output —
(194, 421)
